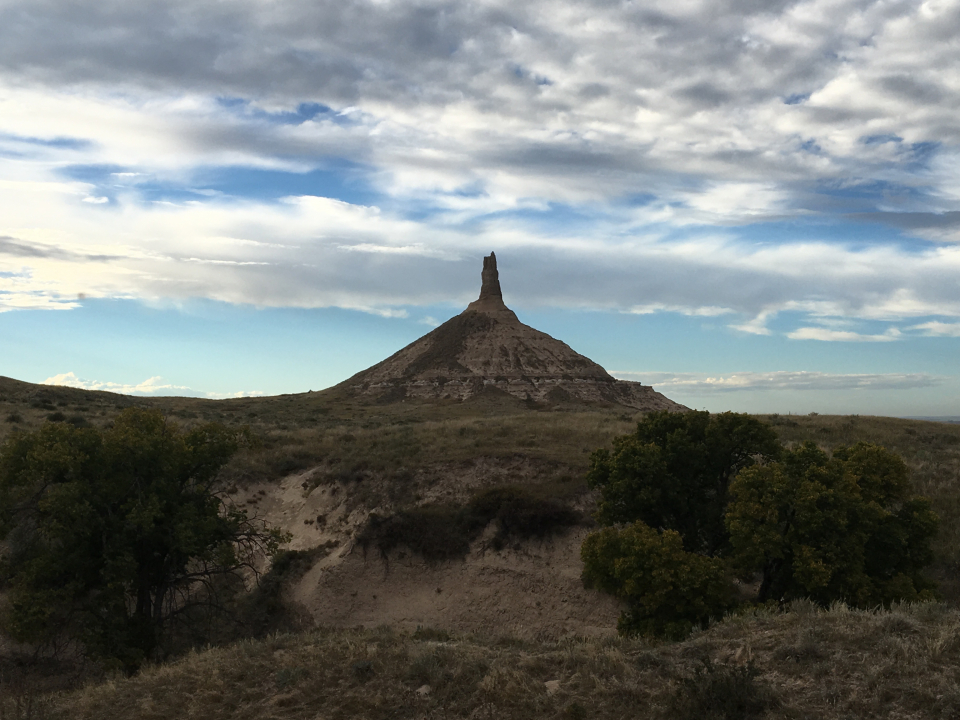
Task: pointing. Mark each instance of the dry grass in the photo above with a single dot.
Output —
(799, 664)
(559, 442)
(409, 447)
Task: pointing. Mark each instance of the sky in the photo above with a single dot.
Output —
(752, 206)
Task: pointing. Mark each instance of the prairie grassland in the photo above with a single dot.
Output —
(349, 438)
(904, 662)
(803, 663)
(552, 440)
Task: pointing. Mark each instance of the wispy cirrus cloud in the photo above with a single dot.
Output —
(830, 335)
(781, 380)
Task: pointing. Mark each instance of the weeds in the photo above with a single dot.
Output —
(732, 670)
(722, 692)
(440, 532)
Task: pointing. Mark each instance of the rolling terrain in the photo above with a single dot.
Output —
(501, 617)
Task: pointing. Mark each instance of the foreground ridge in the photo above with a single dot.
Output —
(487, 349)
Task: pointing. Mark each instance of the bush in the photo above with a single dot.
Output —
(841, 528)
(675, 470)
(720, 692)
(809, 526)
(673, 474)
(668, 591)
(434, 532)
(441, 532)
(113, 534)
(519, 515)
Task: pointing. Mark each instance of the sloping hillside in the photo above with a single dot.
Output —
(799, 664)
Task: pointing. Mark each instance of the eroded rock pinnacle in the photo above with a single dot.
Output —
(490, 278)
(491, 297)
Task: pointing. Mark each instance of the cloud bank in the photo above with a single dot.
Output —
(151, 387)
(771, 165)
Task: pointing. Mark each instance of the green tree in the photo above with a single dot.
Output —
(841, 528)
(668, 591)
(690, 498)
(112, 536)
(663, 493)
(674, 472)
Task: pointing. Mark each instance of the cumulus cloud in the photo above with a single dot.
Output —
(783, 380)
(154, 386)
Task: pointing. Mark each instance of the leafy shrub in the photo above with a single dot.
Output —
(433, 532)
(721, 692)
(117, 532)
(674, 471)
(56, 416)
(519, 515)
(14, 417)
(723, 492)
(441, 532)
(841, 528)
(668, 591)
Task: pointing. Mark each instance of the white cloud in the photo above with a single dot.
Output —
(154, 386)
(781, 380)
(708, 311)
(938, 329)
(653, 121)
(740, 200)
(756, 326)
(828, 335)
(313, 251)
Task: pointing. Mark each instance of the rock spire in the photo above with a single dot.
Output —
(491, 297)
(490, 278)
(487, 348)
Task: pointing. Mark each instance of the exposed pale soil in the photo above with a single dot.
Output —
(528, 590)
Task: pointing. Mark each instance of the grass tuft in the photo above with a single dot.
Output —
(722, 692)
(443, 532)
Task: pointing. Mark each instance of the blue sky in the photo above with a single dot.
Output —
(750, 206)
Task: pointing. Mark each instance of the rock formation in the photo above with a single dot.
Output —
(486, 346)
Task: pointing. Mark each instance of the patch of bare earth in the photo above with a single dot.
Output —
(528, 589)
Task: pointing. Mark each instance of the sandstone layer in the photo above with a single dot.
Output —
(487, 347)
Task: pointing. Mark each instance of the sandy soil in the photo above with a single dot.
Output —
(531, 589)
